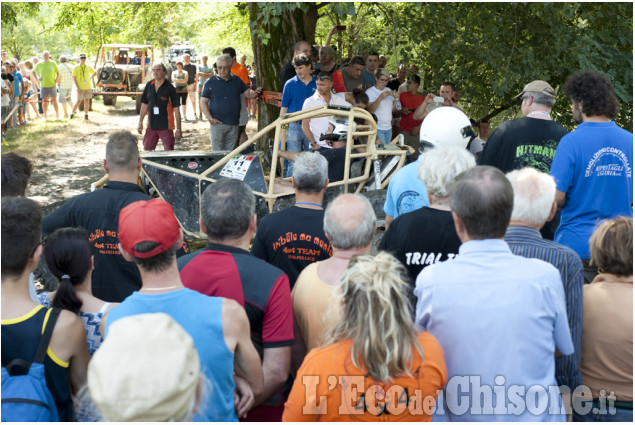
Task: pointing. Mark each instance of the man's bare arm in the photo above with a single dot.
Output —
(276, 363)
(237, 337)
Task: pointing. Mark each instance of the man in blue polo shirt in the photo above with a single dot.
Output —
(295, 92)
(220, 103)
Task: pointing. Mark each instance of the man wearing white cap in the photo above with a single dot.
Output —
(529, 141)
(149, 235)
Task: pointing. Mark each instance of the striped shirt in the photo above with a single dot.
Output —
(527, 242)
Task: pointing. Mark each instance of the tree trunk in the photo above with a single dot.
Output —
(270, 57)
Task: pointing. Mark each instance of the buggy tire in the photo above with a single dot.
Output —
(110, 100)
(137, 99)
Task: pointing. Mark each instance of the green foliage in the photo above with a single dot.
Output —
(12, 11)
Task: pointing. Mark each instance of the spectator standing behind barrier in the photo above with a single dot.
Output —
(191, 85)
(287, 71)
(349, 78)
(149, 235)
(593, 165)
(23, 321)
(381, 103)
(495, 314)
(6, 102)
(368, 74)
(66, 83)
(48, 74)
(607, 332)
(221, 104)
(161, 103)
(295, 92)
(534, 205)
(384, 359)
(18, 93)
(293, 238)
(203, 74)
(410, 101)
(82, 76)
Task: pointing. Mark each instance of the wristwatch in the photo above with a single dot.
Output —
(312, 144)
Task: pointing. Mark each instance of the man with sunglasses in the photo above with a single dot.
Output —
(82, 76)
(313, 128)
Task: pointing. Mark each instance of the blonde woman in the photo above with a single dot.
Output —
(376, 366)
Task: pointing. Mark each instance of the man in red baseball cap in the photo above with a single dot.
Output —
(149, 235)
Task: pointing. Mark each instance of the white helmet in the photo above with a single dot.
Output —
(446, 126)
(339, 127)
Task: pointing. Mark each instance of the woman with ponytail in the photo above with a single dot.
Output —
(375, 364)
(68, 257)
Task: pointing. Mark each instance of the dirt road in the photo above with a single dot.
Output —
(69, 168)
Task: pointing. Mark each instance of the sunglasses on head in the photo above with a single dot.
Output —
(324, 77)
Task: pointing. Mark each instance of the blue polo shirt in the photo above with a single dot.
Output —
(224, 98)
(295, 92)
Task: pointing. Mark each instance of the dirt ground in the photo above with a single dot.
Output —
(71, 159)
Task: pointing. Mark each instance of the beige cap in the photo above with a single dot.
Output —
(147, 369)
(539, 86)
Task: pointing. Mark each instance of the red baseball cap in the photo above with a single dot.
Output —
(148, 221)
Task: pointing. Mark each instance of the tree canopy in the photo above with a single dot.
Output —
(490, 50)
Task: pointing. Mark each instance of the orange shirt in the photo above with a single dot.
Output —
(328, 387)
(241, 72)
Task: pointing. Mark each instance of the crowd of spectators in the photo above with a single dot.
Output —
(464, 311)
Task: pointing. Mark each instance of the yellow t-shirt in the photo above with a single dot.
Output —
(83, 73)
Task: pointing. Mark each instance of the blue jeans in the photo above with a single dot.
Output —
(604, 414)
(296, 142)
(384, 135)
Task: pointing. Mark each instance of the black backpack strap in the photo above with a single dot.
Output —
(40, 354)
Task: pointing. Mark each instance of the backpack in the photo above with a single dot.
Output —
(25, 397)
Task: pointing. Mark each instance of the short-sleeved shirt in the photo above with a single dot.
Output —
(224, 98)
(292, 239)
(166, 99)
(17, 83)
(593, 166)
(229, 272)
(320, 125)
(191, 73)
(412, 102)
(406, 191)
(296, 92)
(66, 75)
(241, 72)
(369, 78)
(342, 82)
(83, 73)
(204, 69)
(384, 111)
(47, 71)
(523, 142)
